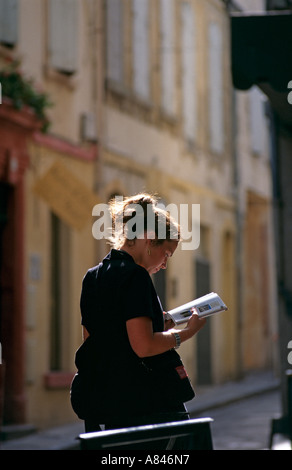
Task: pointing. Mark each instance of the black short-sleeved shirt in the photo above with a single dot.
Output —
(113, 292)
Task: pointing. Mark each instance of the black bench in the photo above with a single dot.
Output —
(196, 432)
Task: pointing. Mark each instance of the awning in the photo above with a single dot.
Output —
(261, 54)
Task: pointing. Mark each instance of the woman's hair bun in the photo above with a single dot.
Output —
(136, 215)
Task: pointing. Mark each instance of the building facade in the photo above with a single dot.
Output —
(142, 101)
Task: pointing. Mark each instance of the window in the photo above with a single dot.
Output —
(60, 290)
(114, 43)
(141, 56)
(63, 35)
(188, 55)
(167, 14)
(9, 22)
(257, 120)
(216, 121)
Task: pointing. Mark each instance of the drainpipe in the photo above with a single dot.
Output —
(239, 236)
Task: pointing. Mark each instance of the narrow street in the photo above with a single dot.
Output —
(244, 425)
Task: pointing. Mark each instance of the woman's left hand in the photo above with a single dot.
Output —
(168, 324)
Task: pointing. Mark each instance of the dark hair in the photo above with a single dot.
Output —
(134, 215)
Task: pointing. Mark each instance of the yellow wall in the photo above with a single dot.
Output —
(49, 407)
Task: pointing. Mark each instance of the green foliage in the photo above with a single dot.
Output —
(22, 92)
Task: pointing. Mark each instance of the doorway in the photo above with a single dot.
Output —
(4, 191)
(12, 303)
(204, 350)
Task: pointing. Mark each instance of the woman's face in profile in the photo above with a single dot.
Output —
(159, 255)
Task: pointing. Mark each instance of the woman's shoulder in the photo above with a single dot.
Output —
(119, 265)
(92, 272)
(90, 277)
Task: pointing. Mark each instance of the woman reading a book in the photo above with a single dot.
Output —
(126, 338)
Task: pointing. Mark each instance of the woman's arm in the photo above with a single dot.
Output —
(146, 343)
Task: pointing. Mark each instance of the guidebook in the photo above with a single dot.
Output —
(204, 307)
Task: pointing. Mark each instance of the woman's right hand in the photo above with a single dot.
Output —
(195, 323)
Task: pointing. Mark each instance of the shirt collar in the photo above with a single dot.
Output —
(119, 254)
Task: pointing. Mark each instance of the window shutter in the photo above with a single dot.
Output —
(167, 56)
(63, 34)
(9, 22)
(257, 124)
(115, 40)
(141, 79)
(216, 122)
(188, 71)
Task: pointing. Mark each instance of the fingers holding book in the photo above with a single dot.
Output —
(195, 323)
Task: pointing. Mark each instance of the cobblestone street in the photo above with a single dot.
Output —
(244, 425)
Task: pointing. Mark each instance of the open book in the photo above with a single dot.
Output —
(204, 306)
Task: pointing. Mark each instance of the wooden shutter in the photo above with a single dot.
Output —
(9, 22)
(257, 120)
(63, 35)
(216, 115)
(141, 66)
(188, 71)
(167, 56)
(114, 43)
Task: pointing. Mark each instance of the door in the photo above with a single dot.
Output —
(204, 359)
(3, 221)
